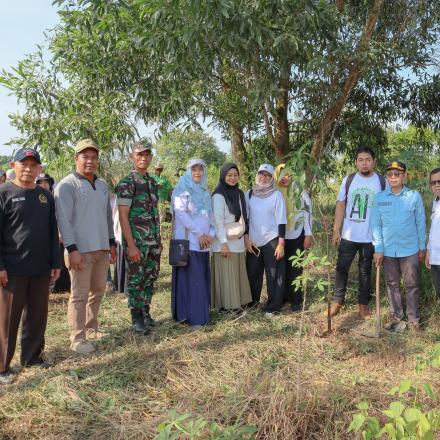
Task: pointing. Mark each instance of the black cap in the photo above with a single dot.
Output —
(24, 153)
(396, 165)
(45, 177)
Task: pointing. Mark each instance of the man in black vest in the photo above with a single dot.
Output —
(29, 260)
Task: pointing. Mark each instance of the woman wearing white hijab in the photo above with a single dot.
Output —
(192, 212)
(265, 244)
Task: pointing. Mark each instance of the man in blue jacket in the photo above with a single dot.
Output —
(398, 225)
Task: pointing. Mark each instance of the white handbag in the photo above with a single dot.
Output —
(236, 230)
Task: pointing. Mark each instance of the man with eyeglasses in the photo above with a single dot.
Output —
(398, 223)
(86, 224)
(432, 259)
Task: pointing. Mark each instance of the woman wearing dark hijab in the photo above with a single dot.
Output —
(229, 281)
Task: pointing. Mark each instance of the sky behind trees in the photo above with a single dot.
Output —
(22, 26)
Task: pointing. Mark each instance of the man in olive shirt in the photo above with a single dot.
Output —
(164, 189)
(29, 259)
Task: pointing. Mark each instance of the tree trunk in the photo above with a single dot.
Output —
(281, 129)
(237, 146)
(336, 107)
(277, 125)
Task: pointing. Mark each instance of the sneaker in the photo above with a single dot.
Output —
(82, 347)
(269, 315)
(364, 311)
(95, 334)
(7, 377)
(334, 309)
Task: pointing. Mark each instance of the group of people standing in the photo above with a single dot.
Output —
(384, 221)
(248, 235)
(234, 239)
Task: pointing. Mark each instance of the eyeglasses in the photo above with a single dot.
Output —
(394, 173)
(435, 182)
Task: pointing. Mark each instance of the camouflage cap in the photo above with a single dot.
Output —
(140, 146)
(85, 144)
(159, 166)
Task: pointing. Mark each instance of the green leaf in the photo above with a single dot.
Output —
(412, 414)
(396, 408)
(393, 391)
(387, 429)
(356, 423)
(405, 386)
(429, 391)
(363, 406)
(424, 426)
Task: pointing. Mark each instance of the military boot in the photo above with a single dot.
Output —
(148, 320)
(137, 320)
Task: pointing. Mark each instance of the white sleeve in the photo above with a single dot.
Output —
(341, 195)
(218, 207)
(308, 217)
(280, 209)
(181, 212)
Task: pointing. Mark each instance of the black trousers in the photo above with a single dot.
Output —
(294, 297)
(275, 273)
(435, 270)
(346, 253)
(27, 298)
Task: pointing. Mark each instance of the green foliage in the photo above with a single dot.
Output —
(409, 145)
(198, 429)
(114, 64)
(59, 113)
(404, 421)
(177, 147)
(308, 260)
(258, 151)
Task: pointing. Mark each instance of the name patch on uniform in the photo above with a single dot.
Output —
(18, 199)
(43, 198)
(384, 203)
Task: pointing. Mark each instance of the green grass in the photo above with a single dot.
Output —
(246, 369)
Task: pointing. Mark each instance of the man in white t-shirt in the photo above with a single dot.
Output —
(353, 208)
(432, 258)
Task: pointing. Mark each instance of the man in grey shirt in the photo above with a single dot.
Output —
(85, 221)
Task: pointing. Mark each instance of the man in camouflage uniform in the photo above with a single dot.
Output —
(137, 199)
(164, 188)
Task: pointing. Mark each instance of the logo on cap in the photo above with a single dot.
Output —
(23, 153)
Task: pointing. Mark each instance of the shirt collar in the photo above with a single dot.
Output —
(388, 191)
(80, 176)
(139, 174)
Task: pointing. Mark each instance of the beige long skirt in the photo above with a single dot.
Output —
(229, 281)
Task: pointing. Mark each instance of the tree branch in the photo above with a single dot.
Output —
(335, 108)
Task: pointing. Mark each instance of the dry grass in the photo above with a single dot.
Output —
(247, 368)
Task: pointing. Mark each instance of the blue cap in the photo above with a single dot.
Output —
(24, 153)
